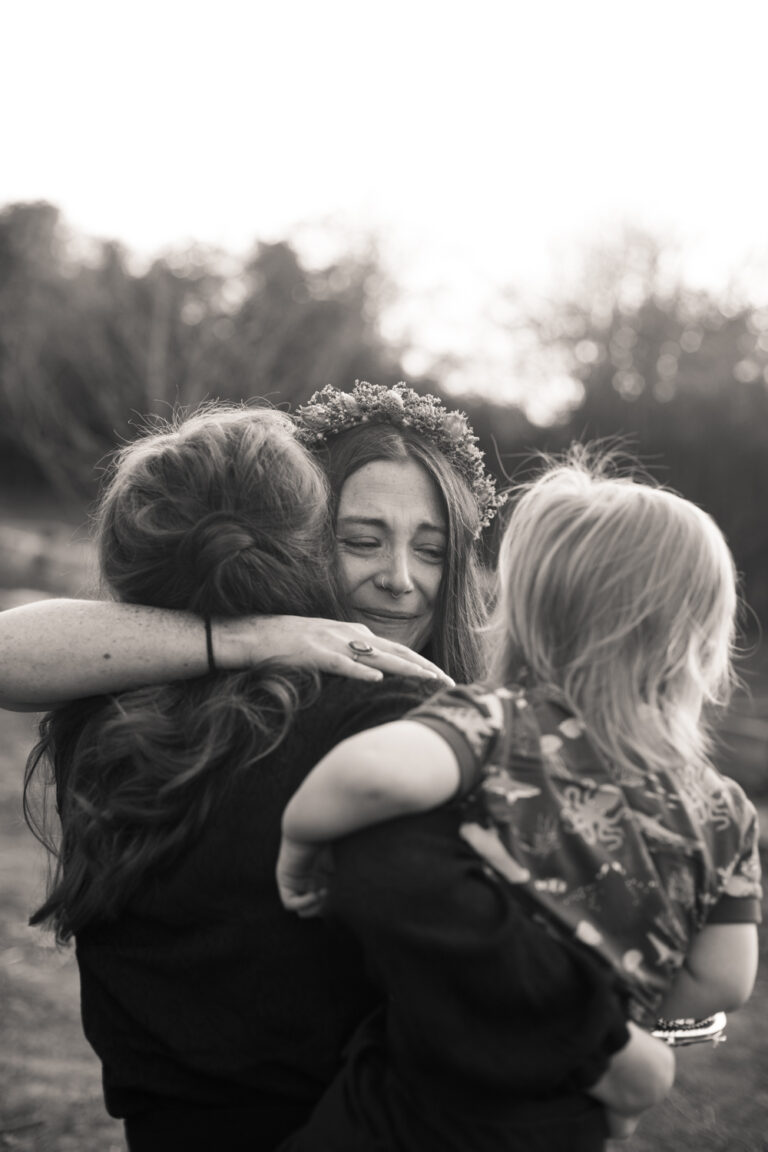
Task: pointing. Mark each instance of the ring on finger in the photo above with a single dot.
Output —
(360, 648)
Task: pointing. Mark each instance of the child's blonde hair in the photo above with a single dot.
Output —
(622, 596)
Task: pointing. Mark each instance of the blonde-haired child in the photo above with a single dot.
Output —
(584, 763)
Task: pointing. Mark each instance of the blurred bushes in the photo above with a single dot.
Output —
(88, 345)
(682, 378)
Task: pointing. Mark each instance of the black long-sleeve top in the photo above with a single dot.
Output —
(205, 991)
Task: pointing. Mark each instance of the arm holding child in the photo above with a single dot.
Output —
(401, 769)
(638, 1076)
(59, 650)
(398, 769)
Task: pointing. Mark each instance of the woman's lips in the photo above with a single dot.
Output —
(382, 614)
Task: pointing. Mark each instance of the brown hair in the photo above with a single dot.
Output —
(224, 513)
(460, 613)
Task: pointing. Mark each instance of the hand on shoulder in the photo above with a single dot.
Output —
(337, 646)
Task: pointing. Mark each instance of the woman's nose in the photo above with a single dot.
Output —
(395, 578)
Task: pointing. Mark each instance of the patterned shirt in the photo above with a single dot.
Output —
(630, 864)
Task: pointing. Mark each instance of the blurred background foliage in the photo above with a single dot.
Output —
(89, 343)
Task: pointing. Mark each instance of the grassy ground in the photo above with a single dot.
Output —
(50, 1095)
(50, 1089)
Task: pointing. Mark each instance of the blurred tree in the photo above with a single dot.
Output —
(292, 330)
(681, 377)
(87, 344)
(31, 295)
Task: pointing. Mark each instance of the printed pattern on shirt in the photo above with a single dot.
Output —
(630, 864)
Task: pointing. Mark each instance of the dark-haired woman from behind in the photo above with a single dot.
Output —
(218, 1018)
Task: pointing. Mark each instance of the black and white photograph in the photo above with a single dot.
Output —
(383, 577)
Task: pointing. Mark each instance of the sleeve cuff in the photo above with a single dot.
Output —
(736, 910)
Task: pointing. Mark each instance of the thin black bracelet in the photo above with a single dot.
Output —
(209, 645)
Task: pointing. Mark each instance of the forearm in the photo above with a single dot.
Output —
(365, 780)
(399, 769)
(696, 997)
(59, 650)
(336, 800)
(718, 974)
(691, 998)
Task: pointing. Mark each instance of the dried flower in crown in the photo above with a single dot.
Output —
(331, 411)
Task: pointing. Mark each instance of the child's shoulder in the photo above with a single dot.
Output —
(529, 720)
(496, 705)
(724, 814)
(467, 704)
(734, 836)
(724, 792)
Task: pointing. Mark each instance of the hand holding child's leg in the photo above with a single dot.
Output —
(640, 1075)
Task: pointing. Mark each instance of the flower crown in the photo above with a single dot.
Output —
(331, 411)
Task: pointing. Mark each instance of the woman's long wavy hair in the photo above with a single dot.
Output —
(461, 611)
(622, 596)
(221, 513)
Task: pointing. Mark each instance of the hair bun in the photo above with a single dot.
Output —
(215, 540)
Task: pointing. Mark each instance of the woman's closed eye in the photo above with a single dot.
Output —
(428, 553)
(359, 543)
(432, 553)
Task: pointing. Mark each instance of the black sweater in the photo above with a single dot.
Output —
(206, 991)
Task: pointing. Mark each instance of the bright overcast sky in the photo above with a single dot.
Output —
(485, 143)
